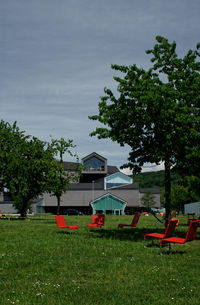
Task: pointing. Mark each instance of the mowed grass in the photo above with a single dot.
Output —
(40, 264)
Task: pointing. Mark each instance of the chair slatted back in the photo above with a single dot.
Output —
(98, 219)
(192, 230)
(135, 219)
(60, 221)
(170, 228)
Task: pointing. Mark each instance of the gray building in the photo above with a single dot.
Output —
(192, 208)
(101, 189)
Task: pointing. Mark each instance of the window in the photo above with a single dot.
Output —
(112, 185)
(117, 180)
(94, 164)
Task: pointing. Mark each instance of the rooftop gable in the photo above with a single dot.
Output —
(94, 154)
(94, 163)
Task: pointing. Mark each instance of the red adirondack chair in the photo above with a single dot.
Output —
(190, 235)
(133, 223)
(61, 224)
(97, 221)
(168, 232)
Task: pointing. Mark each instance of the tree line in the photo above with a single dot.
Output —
(29, 168)
(183, 189)
(154, 179)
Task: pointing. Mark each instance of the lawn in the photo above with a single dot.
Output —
(40, 264)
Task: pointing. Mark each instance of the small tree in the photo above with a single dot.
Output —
(59, 180)
(148, 199)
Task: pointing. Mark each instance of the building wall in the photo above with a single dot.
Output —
(157, 200)
(7, 208)
(191, 208)
(83, 198)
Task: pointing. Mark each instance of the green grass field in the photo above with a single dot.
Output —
(40, 264)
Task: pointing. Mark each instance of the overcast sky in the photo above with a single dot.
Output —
(55, 58)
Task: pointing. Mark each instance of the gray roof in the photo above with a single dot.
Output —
(152, 190)
(70, 165)
(112, 169)
(85, 186)
(94, 154)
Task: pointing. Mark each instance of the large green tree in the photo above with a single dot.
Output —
(25, 162)
(156, 112)
(28, 167)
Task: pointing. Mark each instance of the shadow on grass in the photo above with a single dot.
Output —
(126, 234)
(134, 234)
(164, 251)
(172, 252)
(66, 232)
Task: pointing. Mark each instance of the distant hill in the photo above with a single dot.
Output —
(153, 179)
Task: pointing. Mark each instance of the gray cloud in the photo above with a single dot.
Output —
(55, 59)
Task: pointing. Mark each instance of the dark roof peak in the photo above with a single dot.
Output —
(94, 154)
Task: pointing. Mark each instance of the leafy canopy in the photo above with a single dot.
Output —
(24, 165)
(157, 111)
(28, 167)
(59, 180)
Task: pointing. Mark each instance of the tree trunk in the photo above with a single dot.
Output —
(58, 206)
(24, 210)
(167, 191)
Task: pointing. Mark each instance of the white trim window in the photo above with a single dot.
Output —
(116, 180)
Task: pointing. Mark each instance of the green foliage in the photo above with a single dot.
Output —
(154, 179)
(187, 190)
(25, 163)
(179, 197)
(148, 199)
(184, 190)
(61, 147)
(58, 179)
(157, 112)
(28, 167)
(10, 136)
